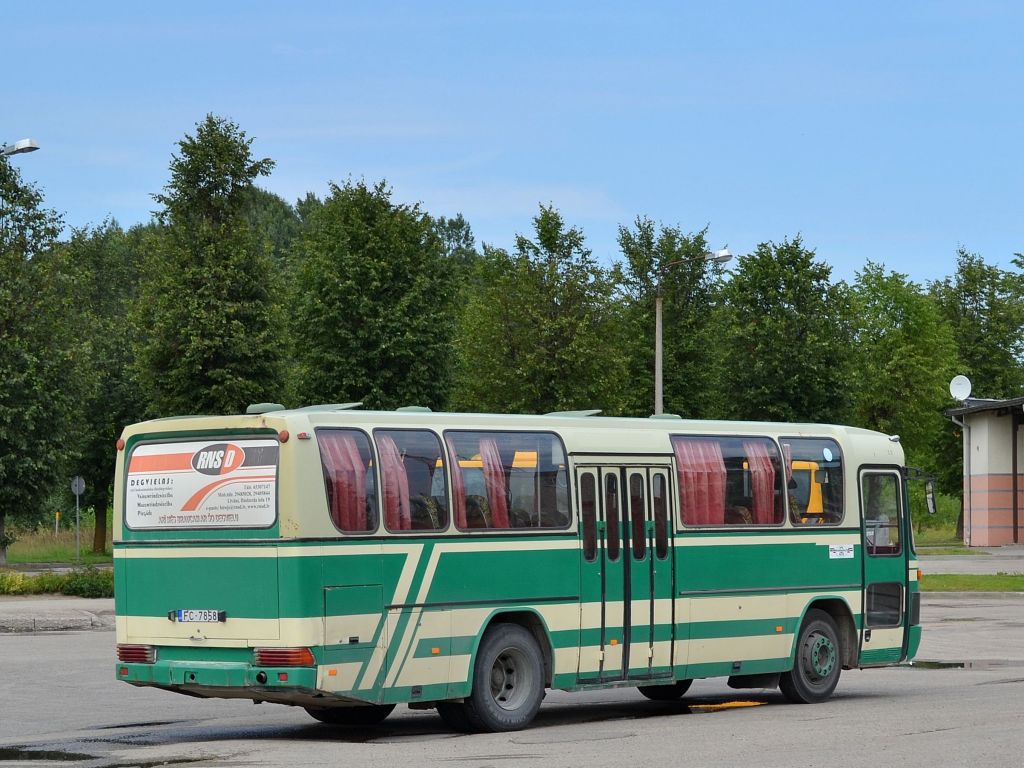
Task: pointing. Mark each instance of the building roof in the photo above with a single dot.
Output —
(980, 404)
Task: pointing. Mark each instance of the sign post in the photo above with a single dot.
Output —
(78, 488)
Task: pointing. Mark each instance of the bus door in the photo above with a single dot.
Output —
(885, 566)
(626, 574)
(648, 573)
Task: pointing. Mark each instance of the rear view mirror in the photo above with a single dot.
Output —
(821, 477)
(929, 496)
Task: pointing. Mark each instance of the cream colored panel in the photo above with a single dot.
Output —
(738, 648)
(343, 680)
(339, 629)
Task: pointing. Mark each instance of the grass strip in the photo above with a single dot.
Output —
(972, 582)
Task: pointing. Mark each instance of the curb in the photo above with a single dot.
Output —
(14, 624)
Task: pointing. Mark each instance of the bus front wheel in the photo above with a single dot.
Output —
(817, 665)
(365, 715)
(508, 680)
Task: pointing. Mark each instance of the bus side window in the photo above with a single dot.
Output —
(509, 480)
(588, 513)
(660, 502)
(415, 492)
(349, 479)
(814, 480)
(612, 535)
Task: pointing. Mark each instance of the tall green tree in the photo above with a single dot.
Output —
(106, 260)
(457, 243)
(541, 329)
(372, 309)
(904, 357)
(668, 260)
(985, 307)
(40, 363)
(272, 218)
(210, 330)
(787, 337)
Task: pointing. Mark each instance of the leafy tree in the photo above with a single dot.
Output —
(985, 306)
(457, 243)
(372, 302)
(106, 261)
(787, 337)
(674, 263)
(210, 331)
(39, 362)
(540, 332)
(905, 355)
(273, 219)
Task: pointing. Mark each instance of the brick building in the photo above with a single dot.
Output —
(993, 458)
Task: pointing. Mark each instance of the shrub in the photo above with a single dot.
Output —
(84, 582)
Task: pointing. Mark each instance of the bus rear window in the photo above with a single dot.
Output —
(218, 483)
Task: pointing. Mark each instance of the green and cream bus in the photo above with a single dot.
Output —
(346, 561)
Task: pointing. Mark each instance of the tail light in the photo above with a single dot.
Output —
(284, 657)
(139, 654)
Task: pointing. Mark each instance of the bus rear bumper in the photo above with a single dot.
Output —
(287, 685)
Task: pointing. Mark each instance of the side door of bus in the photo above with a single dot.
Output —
(885, 565)
(626, 573)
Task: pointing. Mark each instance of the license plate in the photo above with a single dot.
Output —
(199, 615)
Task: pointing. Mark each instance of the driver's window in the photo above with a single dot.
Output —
(880, 500)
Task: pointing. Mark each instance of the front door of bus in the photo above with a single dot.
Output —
(627, 573)
(885, 566)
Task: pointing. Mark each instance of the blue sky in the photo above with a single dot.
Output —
(889, 131)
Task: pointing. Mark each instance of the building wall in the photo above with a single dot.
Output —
(988, 488)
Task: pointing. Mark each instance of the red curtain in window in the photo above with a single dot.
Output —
(396, 485)
(458, 486)
(762, 481)
(494, 480)
(701, 481)
(787, 456)
(347, 475)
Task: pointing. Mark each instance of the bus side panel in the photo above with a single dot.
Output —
(745, 594)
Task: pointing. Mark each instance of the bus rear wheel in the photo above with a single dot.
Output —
(362, 715)
(669, 692)
(508, 680)
(817, 665)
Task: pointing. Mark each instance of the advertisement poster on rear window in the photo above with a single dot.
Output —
(202, 484)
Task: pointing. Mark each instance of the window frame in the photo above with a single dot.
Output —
(532, 530)
(842, 473)
(376, 479)
(447, 483)
(681, 525)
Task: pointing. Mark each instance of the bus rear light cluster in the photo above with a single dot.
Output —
(284, 657)
(138, 654)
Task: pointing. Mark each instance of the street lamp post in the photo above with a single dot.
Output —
(719, 257)
(19, 147)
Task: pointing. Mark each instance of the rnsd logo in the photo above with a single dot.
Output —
(218, 459)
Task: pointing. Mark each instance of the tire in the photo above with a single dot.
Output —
(818, 661)
(371, 714)
(669, 692)
(508, 680)
(453, 713)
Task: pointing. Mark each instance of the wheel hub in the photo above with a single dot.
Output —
(822, 656)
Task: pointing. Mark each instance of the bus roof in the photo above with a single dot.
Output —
(586, 434)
